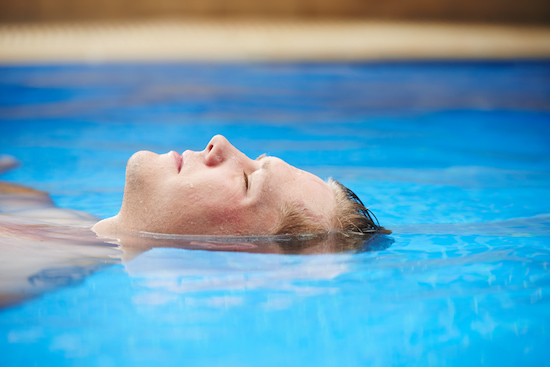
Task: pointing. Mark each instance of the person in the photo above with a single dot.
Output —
(44, 247)
(220, 191)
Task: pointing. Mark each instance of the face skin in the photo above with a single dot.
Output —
(217, 191)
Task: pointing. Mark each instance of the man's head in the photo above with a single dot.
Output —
(220, 191)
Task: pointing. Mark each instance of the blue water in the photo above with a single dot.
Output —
(454, 157)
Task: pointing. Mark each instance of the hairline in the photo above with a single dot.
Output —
(349, 216)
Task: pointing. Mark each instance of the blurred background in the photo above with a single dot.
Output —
(100, 30)
(507, 11)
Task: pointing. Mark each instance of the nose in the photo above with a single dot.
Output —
(219, 150)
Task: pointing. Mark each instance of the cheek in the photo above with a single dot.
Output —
(219, 209)
(198, 207)
(196, 199)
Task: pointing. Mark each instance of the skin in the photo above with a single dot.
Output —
(217, 191)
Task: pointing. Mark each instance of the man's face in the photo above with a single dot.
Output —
(216, 191)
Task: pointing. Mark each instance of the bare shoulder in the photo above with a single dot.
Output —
(22, 201)
(27, 210)
(37, 237)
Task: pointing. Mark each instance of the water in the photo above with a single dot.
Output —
(453, 157)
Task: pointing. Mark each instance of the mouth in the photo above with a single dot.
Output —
(178, 159)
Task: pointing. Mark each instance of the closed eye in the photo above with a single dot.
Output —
(245, 180)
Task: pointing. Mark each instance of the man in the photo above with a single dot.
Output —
(220, 191)
(216, 191)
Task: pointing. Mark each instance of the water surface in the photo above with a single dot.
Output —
(453, 157)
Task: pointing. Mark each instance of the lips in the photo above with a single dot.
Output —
(178, 159)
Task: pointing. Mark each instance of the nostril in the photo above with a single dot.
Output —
(210, 147)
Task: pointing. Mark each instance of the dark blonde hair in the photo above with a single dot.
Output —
(351, 216)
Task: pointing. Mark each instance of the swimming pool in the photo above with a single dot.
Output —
(452, 156)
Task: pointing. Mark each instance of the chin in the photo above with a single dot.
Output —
(139, 158)
(139, 162)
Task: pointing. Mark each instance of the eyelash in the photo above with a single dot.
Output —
(245, 180)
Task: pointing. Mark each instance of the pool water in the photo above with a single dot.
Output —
(454, 157)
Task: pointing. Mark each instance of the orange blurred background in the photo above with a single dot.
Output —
(493, 11)
(293, 30)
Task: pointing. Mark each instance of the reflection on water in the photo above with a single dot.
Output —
(283, 244)
(467, 294)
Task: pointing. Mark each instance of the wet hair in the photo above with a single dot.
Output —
(296, 219)
(351, 218)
